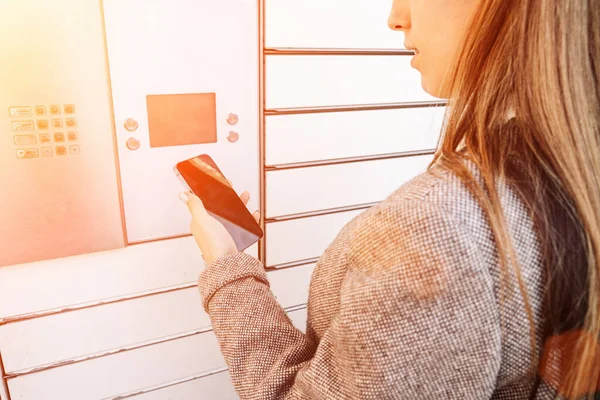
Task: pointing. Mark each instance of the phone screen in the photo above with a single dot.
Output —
(206, 181)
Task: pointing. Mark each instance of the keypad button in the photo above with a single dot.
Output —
(25, 140)
(55, 110)
(61, 151)
(71, 123)
(23, 126)
(74, 150)
(72, 136)
(59, 137)
(47, 152)
(69, 108)
(57, 124)
(45, 138)
(42, 124)
(40, 111)
(27, 153)
(16, 112)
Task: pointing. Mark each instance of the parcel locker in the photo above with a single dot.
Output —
(102, 98)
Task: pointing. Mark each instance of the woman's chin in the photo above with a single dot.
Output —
(434, 90)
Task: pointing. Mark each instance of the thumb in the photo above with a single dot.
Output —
(194, 204)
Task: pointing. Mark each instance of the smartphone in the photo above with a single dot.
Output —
(201, 176)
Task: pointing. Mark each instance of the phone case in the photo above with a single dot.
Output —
(238, 221)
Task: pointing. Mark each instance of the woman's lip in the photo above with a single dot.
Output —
(413, 59)
(412, 48)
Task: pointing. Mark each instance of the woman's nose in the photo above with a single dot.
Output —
(399, 19)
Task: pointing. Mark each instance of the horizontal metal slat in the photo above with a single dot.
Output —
(287, 51)
(319, 213)
(347, 160)
(293, 264)
(353, 107)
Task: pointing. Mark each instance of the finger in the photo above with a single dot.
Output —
(256, 216)
(194, 204)
(245, 197)
(184, 197)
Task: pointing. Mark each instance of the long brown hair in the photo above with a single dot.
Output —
(539, 62)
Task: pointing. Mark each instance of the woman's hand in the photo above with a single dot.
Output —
(211, 236)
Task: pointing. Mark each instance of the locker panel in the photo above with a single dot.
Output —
(218, 386)
(310, 137)
(70, 335)
(291, 285)
(310, 81)
(303, 238)
(214, 387)
(320, 188)
(299, 319)
(106, 275)
(329, 23)
(122, 373)
(126, 372)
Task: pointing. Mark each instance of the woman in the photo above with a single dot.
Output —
(477, 279)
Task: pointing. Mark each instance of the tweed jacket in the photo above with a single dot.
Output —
(405, 303)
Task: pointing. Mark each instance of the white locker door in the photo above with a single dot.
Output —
(337, 80)
(185, 82)
(309, 137)
(330, 23)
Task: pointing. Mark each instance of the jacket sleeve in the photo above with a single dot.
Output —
(418, 318)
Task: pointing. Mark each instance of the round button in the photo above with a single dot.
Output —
(232, 119)
(131, 124)
(133, 143)
(233, 136)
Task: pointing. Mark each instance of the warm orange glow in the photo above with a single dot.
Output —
(557, 358)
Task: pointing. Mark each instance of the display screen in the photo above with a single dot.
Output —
(181, 119)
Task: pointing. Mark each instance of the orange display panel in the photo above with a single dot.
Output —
(182, 119)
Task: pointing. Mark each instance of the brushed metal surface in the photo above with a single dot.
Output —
(66, 200)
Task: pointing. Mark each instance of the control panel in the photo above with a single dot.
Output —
(184, 78)
(45, 130)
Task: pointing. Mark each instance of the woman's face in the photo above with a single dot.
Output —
(435, 30)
